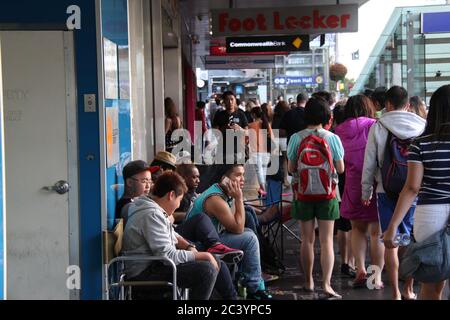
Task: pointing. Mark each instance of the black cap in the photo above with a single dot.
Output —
(135, 167)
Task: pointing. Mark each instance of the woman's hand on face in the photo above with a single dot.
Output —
(235, 190)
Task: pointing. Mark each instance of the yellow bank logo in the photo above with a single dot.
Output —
(297, 42)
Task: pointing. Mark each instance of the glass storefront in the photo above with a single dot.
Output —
(301, 72)
(405, 56)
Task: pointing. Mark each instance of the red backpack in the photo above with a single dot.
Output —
(317, 177)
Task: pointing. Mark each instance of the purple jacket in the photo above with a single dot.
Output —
(354, 133)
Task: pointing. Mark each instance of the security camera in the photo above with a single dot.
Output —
(438, 74)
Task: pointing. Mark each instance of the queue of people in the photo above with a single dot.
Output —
(363, 139)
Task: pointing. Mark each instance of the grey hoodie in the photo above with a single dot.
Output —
(149, 232)
(402, 124)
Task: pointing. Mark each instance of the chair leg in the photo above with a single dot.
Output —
(106, 282)
(282, 241)
(185, 294)
(122, 293)
(292, 233)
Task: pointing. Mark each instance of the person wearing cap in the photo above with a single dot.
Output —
(149, 231)
(137, 178)
(165, 161)
(138, 182)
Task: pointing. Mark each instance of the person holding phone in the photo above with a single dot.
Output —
(223, 203)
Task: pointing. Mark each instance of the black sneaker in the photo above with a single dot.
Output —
(259, 295)
(348, 271)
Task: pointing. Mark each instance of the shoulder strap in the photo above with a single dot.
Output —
(388, 143)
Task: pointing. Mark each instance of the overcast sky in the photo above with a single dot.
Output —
(373, 17)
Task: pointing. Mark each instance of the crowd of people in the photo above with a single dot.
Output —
(370, 167)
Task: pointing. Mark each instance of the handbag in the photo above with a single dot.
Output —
(428, 261)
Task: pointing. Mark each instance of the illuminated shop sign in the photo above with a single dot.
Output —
(268, 44)
(284, 21)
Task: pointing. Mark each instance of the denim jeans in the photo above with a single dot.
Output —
(261, 161)
(198, 276)
(251, 220)
(250, 266)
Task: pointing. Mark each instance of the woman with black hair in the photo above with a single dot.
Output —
(429, 179)
(325, 211)
(279, 111)
(172, 123)
(359, 118)
(343, 225)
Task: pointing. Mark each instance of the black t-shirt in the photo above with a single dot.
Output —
(188, 198)
(119, 206)
(293, 121)
(222, 119)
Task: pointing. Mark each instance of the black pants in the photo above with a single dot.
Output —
(198, 276)
(199, 229)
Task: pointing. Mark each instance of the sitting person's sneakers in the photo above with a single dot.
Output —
(348, 271)
(259, 295)
(226, 254)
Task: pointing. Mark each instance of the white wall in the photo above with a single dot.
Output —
(137, 79)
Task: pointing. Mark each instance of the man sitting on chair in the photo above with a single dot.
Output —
(137, 178)
(150, 232)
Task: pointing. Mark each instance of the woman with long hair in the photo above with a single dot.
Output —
(280, 109)
(343, 225)
(267, 110)
(417, 106)
(429, 179)
(260, 133)
(172, 123)
(354, 131)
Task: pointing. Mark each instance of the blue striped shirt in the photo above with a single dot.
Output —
(434, 155)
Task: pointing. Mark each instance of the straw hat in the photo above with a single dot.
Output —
(167, 158)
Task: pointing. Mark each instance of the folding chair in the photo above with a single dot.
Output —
(276, 225)
(115, 279)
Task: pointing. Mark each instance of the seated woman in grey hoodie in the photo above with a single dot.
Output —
(150, 232)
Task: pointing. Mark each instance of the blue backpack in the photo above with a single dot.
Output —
(395, 165)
